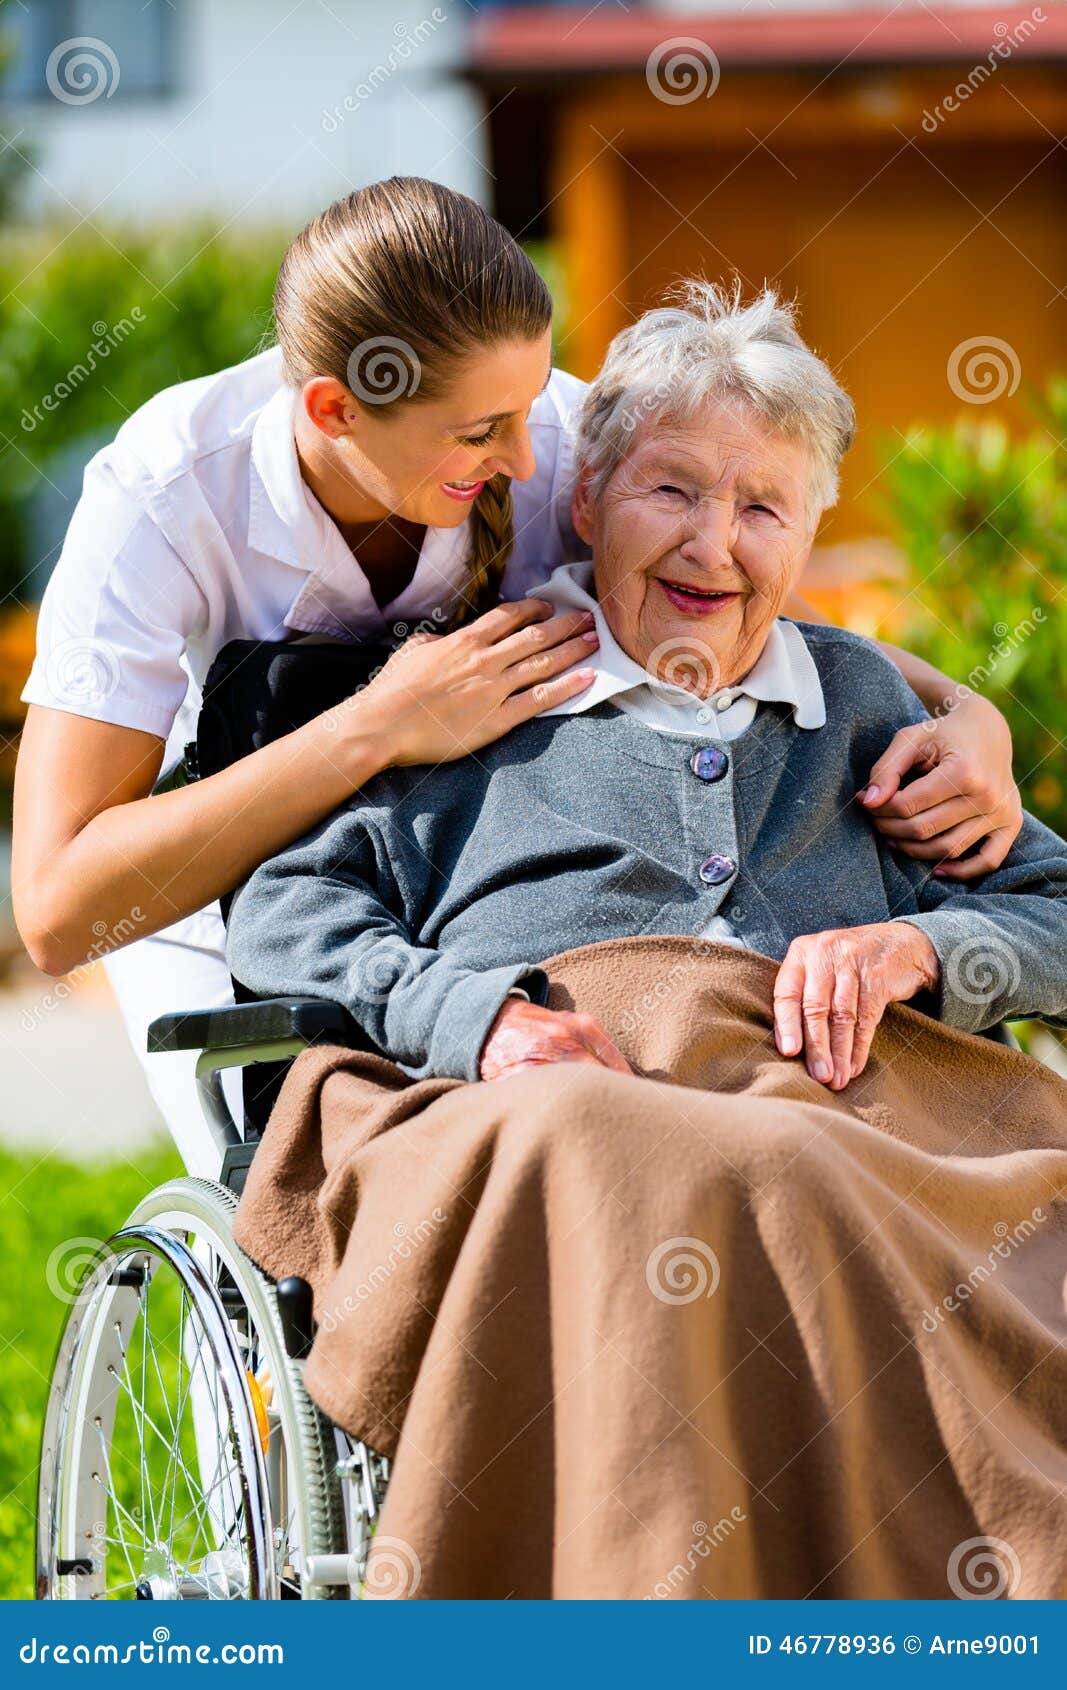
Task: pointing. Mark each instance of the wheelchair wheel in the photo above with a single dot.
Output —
(181, 1455)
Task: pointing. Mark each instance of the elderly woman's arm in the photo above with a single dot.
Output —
(332, 917)
(1002, 946)
(967, 795)
(992, 954)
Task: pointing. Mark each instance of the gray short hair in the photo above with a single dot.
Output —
(710, 346)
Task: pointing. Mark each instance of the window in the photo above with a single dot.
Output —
(130, 49)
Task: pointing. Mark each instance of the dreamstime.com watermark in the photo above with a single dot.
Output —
(705, 1539)
(406, 43)
(1006, 641)
(108, 336)
(108, 939)
(408, 1240)
(1007, 41)
(653, 1001)
(1008, 1241)
(400, 633)
(159, 1651)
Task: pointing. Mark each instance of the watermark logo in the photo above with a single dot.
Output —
(685, 662)
(1006, 643)
(106, 939)
(983, 1569)
(67, 1266)
(80, 70)
(705, 1539)
(393, 1571)
(982, 968)
(983, 369)
(377, 972)
(407, 1240)
(383, 369)
(681, 1270)
(82, 671)
(682, 70)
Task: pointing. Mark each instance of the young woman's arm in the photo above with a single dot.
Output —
(966, 796)
(98, 861)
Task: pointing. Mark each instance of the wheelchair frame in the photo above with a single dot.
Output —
(242, 1035)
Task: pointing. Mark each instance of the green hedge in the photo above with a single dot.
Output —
(94, 321)
(146, 309)
(982, 518)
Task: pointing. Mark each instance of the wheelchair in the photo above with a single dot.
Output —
(181, 1456)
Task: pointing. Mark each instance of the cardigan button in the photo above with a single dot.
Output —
(714, 870)
(709, 763)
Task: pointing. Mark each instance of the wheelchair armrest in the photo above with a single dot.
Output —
(260, 1023)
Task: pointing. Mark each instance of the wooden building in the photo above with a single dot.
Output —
(902, 172)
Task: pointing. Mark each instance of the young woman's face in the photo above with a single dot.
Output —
(427, 460)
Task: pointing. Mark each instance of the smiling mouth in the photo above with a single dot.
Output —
(462, 489)
(692, 602)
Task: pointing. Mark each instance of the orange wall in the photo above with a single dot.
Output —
(898, 244)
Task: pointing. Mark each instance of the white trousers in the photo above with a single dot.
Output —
(184, 968)
(181, 968)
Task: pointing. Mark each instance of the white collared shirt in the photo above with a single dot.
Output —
(195, 527)
(784, 673)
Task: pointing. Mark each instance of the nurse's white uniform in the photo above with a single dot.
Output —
(195, 527)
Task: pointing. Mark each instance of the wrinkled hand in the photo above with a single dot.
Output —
(526, 1036)
(832, 990)
(966, 792)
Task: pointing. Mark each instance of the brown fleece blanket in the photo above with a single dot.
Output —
(710, 1331)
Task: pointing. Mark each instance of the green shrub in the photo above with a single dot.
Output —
(44, 1204)
(982, 519)
(160, 307)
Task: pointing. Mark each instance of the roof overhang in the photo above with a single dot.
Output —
(549, 41)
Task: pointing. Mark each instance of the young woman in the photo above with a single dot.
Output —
(400, 455)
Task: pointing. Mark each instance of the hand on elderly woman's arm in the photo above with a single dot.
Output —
(966, 794)
(524, 1035)
(833, 988)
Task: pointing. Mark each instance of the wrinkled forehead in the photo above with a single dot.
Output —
(722, 448)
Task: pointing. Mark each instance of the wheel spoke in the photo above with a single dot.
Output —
(109, 1493)
(178, 1433)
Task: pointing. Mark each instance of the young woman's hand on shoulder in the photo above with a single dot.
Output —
(444, 695)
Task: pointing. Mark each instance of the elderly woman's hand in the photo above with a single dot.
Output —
(966, 793)
(526, 1036)
(833, 988)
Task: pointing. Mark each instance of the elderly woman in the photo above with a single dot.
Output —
(706, 784)
(674, 1275)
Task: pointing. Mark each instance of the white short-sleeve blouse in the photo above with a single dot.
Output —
(195, 527)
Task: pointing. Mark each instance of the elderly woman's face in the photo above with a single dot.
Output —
(697, 539)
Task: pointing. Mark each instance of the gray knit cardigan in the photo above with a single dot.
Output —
(433, 891)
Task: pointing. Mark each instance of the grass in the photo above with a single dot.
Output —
(46, 1206)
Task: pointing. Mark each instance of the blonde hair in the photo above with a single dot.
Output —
(388, 291)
